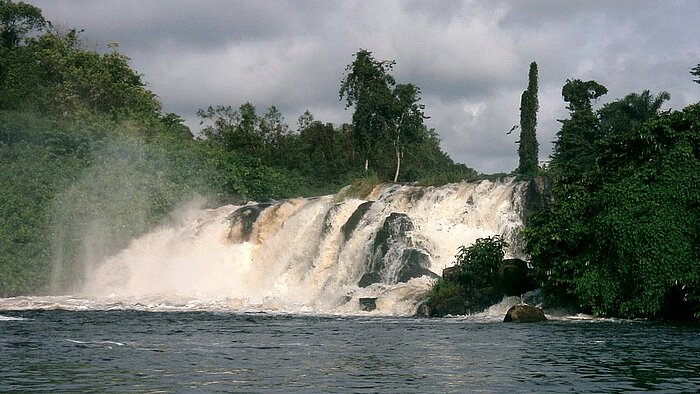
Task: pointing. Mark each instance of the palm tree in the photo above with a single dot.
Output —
(631, 111)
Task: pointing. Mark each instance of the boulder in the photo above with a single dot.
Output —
(515, 277)
(413, 265)
(390, 240)
(448, 306)
(351, 224)
(368, 304)
(452, 273)
(369, 278)
(524, 314)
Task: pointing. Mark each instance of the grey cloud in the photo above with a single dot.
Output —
(470, 58)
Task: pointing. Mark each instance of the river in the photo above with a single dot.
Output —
(215, 351)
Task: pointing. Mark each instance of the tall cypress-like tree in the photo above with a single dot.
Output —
(529, 104)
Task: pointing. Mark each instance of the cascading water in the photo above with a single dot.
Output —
(316, 255)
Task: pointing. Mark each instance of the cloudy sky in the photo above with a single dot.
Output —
(470, 58)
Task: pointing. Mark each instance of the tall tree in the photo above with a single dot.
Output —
(386, 114)
(367, 86)
(574, 150)
(407, 120)
(528, 149)
(696, 72)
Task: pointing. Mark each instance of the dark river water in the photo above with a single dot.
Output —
(135, 351)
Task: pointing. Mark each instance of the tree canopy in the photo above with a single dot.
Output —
(621, 236)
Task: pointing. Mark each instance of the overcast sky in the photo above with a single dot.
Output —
(470, 58)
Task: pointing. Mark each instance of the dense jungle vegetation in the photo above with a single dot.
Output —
(87, 153)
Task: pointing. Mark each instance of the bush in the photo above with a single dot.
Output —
(480, 262)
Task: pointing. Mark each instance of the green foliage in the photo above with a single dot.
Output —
(368, 86)
(622, 240)
(479, 262)
(528, 149)
(443, 289)
(574, 149)
(386, 114)
(17, 20)
(624, 115)
(360, 187)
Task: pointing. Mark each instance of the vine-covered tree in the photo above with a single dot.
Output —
(528, 149)
(574, 150)
(630, 112)
(620, 238)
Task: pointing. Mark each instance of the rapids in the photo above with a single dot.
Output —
(310, 255)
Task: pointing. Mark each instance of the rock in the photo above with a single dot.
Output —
(524, 314)
(452, 273)
(413, 265)
(423, 310)
(515, 277)
(242, 221)
(478, 299)
(449, 306)
(354, 219)
(391, 243)
(538, 195)
(369, 278)
(368, 304)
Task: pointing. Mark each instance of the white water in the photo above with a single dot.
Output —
(296, 259)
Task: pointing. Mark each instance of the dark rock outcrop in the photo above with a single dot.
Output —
(538, 195)
(413, 265)
(524, 314)
(354, 219)
(242, 221)
(412, 261)
(515, 277)
(368, 304)
(369, 278)
(468, 302)
(513, 280)
(452, 273)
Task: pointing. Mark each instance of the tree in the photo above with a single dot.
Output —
(529, 104)
(696, 72)
(407, 119)
(479, 262)
(385, 113)
(17, 20)
(367, 86)
(233, 129)
(574, 150)
(54, 74)
(630, 112)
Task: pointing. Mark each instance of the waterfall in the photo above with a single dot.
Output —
(312, 255)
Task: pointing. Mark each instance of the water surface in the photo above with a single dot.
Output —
(146, 351)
